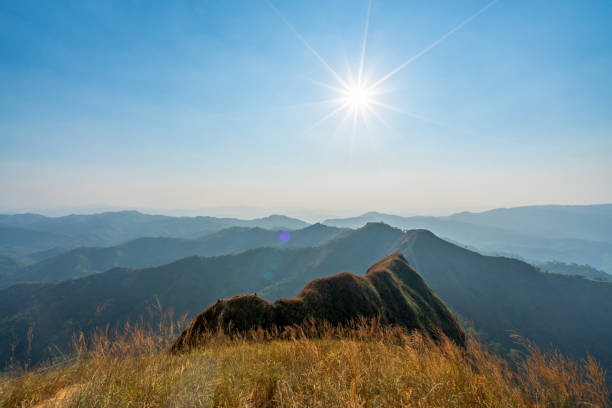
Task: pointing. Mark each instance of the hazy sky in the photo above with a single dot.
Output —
(159, 104)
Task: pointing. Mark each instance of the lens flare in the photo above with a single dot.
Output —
(285, 236)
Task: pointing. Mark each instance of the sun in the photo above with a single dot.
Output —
(355, 95)
(358, 97)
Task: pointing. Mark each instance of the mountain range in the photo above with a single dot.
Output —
(584, 222)
(571, 234)
(537, 234)
(497, 295)
(23, 234)
(143, 252)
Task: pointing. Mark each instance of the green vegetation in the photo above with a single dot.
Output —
(367, 365)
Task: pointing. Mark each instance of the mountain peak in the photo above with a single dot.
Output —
(372, 214)
(390, 262)
(276, 221)
(318, 227)
(277, 217)
(374, 225)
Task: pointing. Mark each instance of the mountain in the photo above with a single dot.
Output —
(372, 216)
(585, 271)
(145, 252)
(391, 292)
(17, 241)
(275, 222)
(493, 240)
(8, 266)
(113, 228)
(497, 294)
(585, 222)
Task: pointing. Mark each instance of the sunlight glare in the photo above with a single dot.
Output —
(357, 97)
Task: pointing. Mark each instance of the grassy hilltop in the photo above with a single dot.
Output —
(364, 366)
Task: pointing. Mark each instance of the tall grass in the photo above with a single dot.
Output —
(365, 365)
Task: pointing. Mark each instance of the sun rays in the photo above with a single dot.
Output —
(356, 96)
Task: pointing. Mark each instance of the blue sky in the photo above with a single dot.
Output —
(208, 104)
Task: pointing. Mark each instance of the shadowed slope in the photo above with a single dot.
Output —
(391, 291)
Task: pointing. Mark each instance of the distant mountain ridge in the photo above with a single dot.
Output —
(470, 230)
(570, 234)
(145, 252)
(499, 295)
(575, 270)
(585, 222)
(390, 291)
(112, 228)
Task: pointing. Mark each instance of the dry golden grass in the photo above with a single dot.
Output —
(363, 366)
